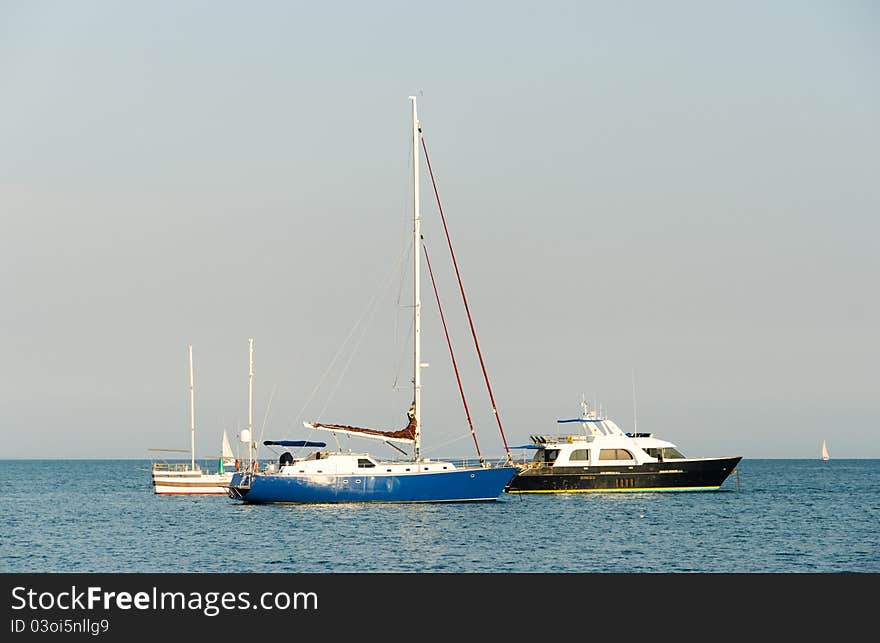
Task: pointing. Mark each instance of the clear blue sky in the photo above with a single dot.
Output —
(687, 190)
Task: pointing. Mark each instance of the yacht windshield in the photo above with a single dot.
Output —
(547, 456)
(669, 453)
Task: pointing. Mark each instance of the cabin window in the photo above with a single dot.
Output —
(363, 463)
(672, 454)
(615, 454)
(580, 455)
(547, 456)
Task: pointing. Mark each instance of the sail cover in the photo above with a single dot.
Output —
(406, 435)
(293, 443)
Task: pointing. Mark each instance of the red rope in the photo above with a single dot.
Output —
(464, 299)
(467, 411)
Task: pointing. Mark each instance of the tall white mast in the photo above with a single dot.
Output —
(192, 412)
(250, 425)
(417, 311)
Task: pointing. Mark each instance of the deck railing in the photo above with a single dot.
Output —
(173, 466)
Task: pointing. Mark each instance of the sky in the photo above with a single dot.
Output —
(671, 208)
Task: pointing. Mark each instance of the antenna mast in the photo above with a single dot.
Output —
(635, 419)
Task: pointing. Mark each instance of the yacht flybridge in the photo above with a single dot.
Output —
(604, 458)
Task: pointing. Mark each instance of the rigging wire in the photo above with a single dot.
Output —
(399, 362)
(467, 411)
(404, 344)
(447, 443)
(345, 367)
(266, 417)
(354, 328)
(407, 242)
(464, 299)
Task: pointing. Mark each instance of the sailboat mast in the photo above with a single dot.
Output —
(192, 412)
(250, 400)
(417, 308)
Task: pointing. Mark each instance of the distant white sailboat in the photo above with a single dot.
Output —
(825, 455)
(227, 457)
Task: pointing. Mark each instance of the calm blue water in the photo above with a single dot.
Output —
(101, 516)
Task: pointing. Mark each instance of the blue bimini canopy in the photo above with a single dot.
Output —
(293, 443)
(527, 446)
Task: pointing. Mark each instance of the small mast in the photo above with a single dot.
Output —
(250, 425)
(192, 413)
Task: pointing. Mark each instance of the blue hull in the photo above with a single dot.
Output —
(458, 485)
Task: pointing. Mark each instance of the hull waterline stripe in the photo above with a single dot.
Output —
(190, 493)
(632, 490)
(372, 502)
(187, 485)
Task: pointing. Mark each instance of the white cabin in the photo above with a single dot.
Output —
(603, 443)
(335, 463)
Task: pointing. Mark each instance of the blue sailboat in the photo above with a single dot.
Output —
(334, 477)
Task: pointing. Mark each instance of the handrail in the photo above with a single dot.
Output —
(174, 466)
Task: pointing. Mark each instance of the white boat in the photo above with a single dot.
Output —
(227, 457)
(825, 455)
(182, 478)
(324, 477)
(605, 459)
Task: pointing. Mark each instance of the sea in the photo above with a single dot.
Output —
(90, 516)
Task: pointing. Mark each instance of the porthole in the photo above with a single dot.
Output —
(357, 481)
(472, 475)
(345, 482)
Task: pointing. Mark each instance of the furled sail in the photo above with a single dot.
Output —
(406, 435)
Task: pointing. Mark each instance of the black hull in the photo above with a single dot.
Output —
(671, 475)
